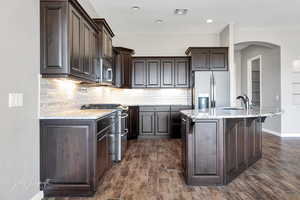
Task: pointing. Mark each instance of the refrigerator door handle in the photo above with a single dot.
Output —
(211, 89)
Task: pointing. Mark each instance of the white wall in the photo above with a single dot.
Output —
(171, 44)
(19, 135)
(289, 41)
(227, 40)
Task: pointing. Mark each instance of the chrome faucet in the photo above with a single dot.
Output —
(245, 99)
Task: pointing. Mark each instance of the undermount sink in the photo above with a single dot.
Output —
(232, 108)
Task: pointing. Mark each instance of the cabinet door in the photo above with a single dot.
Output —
(86, 37)
(175, 125)
(205, 153)
(219, 59)
(102, 156)
(67, 156)
(109, 46)
(167, 73)
(258, 138)
(147, 123)
(162, 123)
(126, 71)
(200, 59)
(184, 133)
(182, 72)
(95, 62)
(254, 147)
(153, 73)
(139, 71)
(75, 41)
(133, 122)
(235, 140)
(54, 44)
(117, 69)
(104, 43)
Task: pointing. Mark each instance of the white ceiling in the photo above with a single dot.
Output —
(246, 13)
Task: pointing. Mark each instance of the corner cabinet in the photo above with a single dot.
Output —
(161, 72)
(68, 38)
(208, 58)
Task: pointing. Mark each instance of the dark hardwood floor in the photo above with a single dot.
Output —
(151, 170)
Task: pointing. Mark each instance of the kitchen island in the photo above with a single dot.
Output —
(219, 144)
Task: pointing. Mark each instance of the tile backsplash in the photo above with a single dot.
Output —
(64, 95)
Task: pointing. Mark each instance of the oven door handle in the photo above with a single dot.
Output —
(125, 115)
(100, 137)
(125, 132)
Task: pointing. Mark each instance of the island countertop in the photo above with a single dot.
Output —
(221, 113)
(78, 114)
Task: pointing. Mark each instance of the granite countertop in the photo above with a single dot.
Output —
(157, 104)
(219, 113)
(79, 114)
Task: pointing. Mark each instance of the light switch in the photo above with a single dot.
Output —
(15, 100)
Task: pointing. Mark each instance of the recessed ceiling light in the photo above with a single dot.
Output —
(209, 21)
(180, 11)
(159, 21)
(135, 8)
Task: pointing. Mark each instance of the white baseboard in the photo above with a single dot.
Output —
(283, 135)
(271, 132)
(292, 135)
(38, 196)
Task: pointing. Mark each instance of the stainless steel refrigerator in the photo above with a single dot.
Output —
(215, 85)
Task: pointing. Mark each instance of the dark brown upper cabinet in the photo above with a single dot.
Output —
(67, 41)
(153, 73)
(106, 36)
(167, 73)
(206, 58)
(182, 72)
(122, 61)
(139, 73)
(219, 59)
(161, 72)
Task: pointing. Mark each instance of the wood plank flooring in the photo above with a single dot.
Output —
(151, 170)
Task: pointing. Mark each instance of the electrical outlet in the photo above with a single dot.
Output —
(15, 100)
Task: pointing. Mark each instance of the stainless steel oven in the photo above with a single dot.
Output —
(118, 139)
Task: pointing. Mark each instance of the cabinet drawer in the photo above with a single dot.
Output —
(154, 108)
(179, 108)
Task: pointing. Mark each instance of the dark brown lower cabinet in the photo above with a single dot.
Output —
(214, 152)
(73, 155)
(103, 159)
(147, 126)
(176, 120)
(133, 122)
(254, 132)
(155, 121)
(236, 157)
